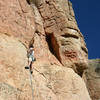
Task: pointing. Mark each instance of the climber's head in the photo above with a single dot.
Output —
(31, 47)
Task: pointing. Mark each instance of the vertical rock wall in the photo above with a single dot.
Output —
(60, 51)
(59, 25)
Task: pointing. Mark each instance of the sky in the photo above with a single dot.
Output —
(87, 14)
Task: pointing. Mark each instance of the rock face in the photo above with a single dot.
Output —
(60, 51)
(62, 33)
(92, 79)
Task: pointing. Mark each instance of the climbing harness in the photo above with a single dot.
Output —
(31, 83)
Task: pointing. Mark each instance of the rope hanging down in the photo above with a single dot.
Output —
(31, 83)
(31, 59)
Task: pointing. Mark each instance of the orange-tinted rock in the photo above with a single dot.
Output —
(49, 81)
(16, 19)
(58, 43)
(66, 39)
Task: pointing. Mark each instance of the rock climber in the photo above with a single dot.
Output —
(31, 58)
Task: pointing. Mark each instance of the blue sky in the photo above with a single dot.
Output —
(87, 14)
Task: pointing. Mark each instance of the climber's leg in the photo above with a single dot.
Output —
(31, 68)
(27, 67)
(29, 63)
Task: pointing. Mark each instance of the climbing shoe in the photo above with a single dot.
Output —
(31, 71)
(26, 67)
(34, 59)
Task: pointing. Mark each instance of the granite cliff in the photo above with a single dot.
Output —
(60, 51)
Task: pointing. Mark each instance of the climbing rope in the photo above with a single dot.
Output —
(31, 83)
(31, 58)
